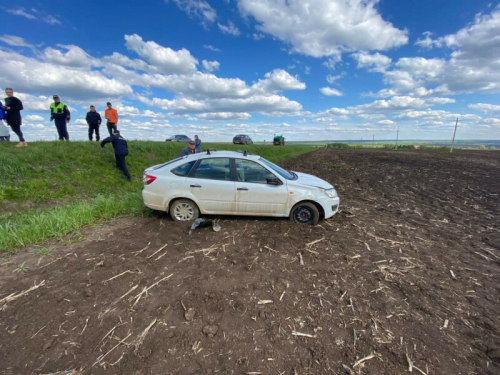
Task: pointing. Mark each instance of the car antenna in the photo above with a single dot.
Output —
(245, 153)
(208, 151)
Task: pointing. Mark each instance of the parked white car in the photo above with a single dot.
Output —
(234, 183)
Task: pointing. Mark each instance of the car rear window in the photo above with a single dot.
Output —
(167, 163)
(183, 170)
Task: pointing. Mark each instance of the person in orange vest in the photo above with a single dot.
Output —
(111, 116)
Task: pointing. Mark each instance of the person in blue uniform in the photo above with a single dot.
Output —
(59, 112)
(121, 151)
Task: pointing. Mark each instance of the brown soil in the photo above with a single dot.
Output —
(405, 278)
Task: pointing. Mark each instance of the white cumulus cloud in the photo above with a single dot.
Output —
(324, 27)
(15, 41)
(197, 8)
(490, 109)
(35, 118)
(229, 29)
(210, 66)
(164, 58)
(328, 91)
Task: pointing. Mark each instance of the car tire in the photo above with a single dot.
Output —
(305, 213)
(184, 210)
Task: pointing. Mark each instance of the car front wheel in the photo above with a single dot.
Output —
(305, 213)
(184, 210)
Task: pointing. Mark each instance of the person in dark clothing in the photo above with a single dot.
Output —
(59, 112)
(14, 106)
(189, 150)
(94, 121)
(197, 144)
(121, 150)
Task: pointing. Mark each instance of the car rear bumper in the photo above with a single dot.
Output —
(153, 201)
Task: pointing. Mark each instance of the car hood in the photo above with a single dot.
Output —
(309, 180)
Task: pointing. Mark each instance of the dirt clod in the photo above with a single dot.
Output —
(49, 343)
(189, 314)
(210, 330)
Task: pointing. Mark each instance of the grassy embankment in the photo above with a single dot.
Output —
(50, 189)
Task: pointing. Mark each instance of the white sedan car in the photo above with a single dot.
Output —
(234, 183)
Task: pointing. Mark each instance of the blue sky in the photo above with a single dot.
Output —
(310, 69)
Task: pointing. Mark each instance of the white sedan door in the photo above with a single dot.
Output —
(254, 195)
(212, 187)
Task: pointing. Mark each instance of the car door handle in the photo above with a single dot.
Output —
(242, 189)
(195, 185)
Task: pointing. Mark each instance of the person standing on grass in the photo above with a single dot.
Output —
(14, 106)
(121, 150)
(59, 112)
(111, 118)
(197, 144)
(189, 150)
(94, 121)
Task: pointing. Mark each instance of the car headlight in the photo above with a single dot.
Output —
(332, 193)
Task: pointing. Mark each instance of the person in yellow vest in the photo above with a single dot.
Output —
(59, 112)
(111, 116)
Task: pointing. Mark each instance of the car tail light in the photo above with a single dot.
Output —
(147, 179)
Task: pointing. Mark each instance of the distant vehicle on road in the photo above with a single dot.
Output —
(242, 139)
(178, 138)
(235, 183)
(279, 140)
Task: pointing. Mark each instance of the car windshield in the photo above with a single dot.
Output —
(277, 169)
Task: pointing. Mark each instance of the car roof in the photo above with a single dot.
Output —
(223, 154)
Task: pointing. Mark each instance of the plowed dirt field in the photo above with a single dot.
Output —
(406, 278)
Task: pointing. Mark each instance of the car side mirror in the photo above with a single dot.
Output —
(274, 181)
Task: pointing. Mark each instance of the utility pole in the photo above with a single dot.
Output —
(455, 132)
(373, 140)
(397, 137)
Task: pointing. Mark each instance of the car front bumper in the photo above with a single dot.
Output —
(330, 205)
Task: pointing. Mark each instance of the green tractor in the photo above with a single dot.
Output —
(279, 140)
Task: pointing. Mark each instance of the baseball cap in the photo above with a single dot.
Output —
(55, 97)
(108, 103)
(192, 143)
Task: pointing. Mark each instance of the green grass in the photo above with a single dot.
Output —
(50, 189)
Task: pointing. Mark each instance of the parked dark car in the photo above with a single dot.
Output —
(178, 138)
(242, 139)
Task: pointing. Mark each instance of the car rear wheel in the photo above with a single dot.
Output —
(184, 210)
(305, 213)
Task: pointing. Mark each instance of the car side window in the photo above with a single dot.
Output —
(183, 170)
(213, 169)
(249, 171)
